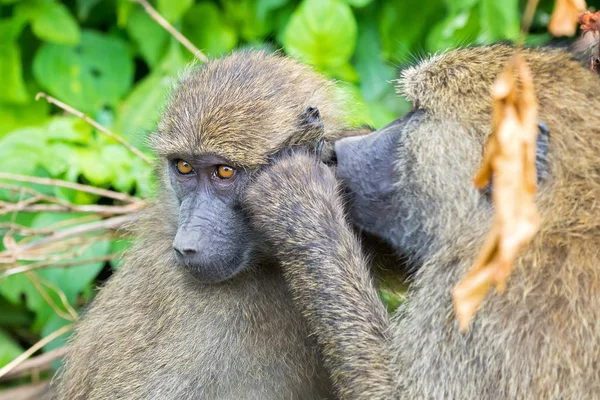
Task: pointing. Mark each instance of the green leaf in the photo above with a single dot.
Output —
(20, 150)
(205, 26)
(53, 22)
(151, 39)
(140, 111)
(9, 349)
(118, 159)
(13, 86)
(359, 3)
(400, 34)
(13, 116)
(93, 167)
(500, 19)
(71, 281)
(173, 10)
(375, 73)
(263, 7)
(322, 33)
(118, 246)
(244, 16)
(84, 7)
(455, 30)
(70, 129)
(10, 29)
(85, 76)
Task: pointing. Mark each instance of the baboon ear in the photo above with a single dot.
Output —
(310, 119)
(542, 150)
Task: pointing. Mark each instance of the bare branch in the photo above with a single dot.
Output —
(43, 362)
(96, 125)
(70, 185)
(57, 264)
(27, 353)
(102, 210)
(113, 223)
(169, 28)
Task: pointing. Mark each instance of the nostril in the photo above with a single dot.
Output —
(183, 252)
(189, 252)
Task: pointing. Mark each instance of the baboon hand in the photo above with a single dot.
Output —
(294, 199)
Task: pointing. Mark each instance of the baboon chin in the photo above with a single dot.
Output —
(154, 332)
(411, 184)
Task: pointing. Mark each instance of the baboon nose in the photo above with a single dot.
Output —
(185, 251)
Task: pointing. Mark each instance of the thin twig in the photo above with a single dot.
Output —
(43, 362)
(96, 125)
(57, 264)
(27, 353)
(528, 16)
(38, 286)
(113, 223)
(70, 185)
(174, 32)
(92, 208)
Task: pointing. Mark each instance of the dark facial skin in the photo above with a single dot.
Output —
(380, 193)
(213, 241)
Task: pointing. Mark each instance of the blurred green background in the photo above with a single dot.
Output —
(110, 60)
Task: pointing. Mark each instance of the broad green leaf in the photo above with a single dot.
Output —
(151, 39)
(85, 76)
(13, 86)
(173, 10)
(54, 23)
(71, 281)
(263, 7)
(400, 33)
(55, 323)
(375, 73)
(118, 247)
(244, 16)
(500, 19)
(93, 167)
(69, 129)
(9, 348)
(84, 7)
(322, 33)
(20, 150)
(456, 30)
(117, 158)
(355, 105)
(205, 26)
(140, 111)
(10, 29)
(358, 3)
(13, 116)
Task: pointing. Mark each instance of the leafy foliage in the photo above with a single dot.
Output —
(110, 60)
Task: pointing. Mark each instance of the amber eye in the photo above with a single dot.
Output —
(225, 172)
(184, 167)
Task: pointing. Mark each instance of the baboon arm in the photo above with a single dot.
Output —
(295, 203)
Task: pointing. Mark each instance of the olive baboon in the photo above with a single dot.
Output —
(199, 309)
(411, 184)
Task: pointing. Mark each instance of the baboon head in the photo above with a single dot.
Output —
(412, 181)
(223, 121)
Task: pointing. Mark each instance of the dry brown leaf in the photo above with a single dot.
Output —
(563, 21)
(510, 157)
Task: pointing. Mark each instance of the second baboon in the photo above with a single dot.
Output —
(200, 310)
(411, 184)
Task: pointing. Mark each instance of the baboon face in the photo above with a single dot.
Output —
(408, 180)
(411, 183)
(213, 240)
(221, 125)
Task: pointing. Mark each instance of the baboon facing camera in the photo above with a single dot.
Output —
(200, 309)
